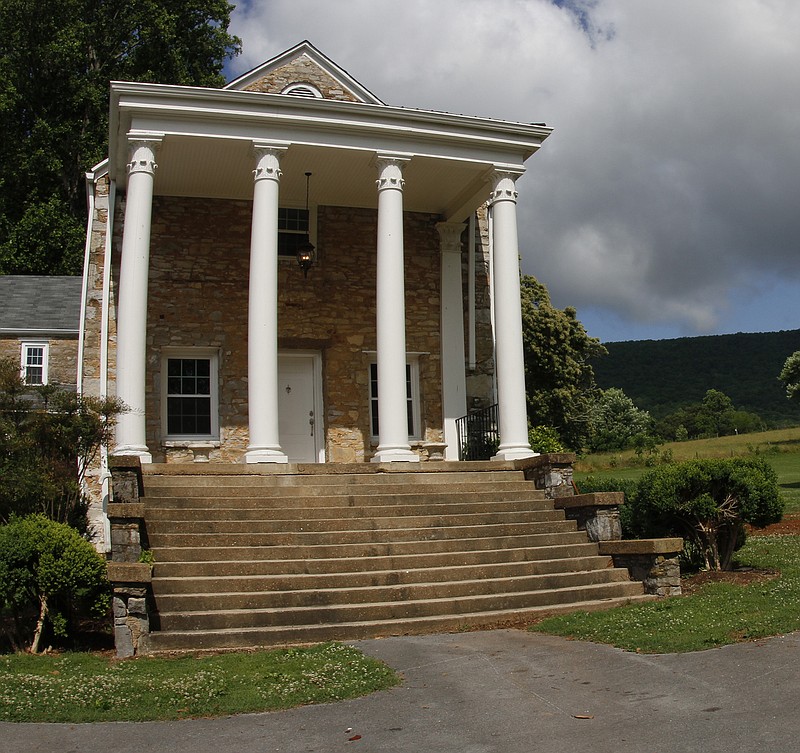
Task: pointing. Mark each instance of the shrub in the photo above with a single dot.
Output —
(707, 502)
(48, 439)
(48, 575)
(545, 439)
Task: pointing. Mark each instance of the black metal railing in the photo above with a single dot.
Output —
(478, 434)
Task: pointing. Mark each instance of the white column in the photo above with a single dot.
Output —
(454, 384)
(132, 309)
(510, 364)
(391, 317)
(262, 317)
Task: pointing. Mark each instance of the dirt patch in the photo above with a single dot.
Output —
(692, 583)
(789, 526)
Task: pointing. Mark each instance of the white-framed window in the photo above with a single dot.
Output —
(34, 362)
(295, 226)
(412, 399)
(190, 393)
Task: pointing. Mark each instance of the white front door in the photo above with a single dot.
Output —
(299, 407)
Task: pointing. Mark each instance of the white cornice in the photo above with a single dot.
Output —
(230, 114)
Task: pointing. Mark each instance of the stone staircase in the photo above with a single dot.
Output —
(257, 559)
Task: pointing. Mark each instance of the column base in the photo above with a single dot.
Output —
(395, 455)
(514, 453)
(136, 451)
(265, 455)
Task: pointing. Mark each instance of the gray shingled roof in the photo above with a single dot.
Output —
(33, 303)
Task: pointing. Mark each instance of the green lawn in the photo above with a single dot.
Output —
(76, 687)
(780, 448)
(718, 614)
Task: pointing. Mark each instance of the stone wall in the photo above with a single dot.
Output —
(302, 70)
(480, 379)
(198, 297)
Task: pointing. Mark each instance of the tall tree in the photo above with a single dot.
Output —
(57, 58)
(559, 380)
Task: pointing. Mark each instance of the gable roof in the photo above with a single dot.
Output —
(39, 305)
(324, 65)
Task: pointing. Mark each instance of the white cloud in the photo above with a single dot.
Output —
(672, 177)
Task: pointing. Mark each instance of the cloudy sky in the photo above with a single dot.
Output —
(667, 201)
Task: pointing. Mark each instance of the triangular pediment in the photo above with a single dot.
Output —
(304, 71)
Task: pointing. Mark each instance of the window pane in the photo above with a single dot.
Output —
(189, 396)
(35, 356)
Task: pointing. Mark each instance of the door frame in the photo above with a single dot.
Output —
(319, 415)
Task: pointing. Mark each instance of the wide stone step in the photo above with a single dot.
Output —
(365, 522)
(347, 500)
(243, 551)
(309, 615)
(330, 490)
(241, 638)
(233, 476)
(159, 514)
(494, 576)
(346, 595)
(559, 556)
(363, 535)
(233, 582)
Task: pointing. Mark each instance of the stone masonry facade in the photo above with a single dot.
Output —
(198, 291)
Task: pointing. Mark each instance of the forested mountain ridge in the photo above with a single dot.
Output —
(663, 375)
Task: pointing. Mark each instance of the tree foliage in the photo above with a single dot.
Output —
(48, 439)
(790, 376)
(714, 416)
(707, 502)
(663, 376)
(559, 379)
(57, 58)
(48, 574)
(615, 421)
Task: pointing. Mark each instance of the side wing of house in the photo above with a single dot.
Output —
(39, 324)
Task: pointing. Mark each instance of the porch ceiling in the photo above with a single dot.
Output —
(207, 141)
(219, 168)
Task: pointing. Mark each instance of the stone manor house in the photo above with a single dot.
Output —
(404, 315)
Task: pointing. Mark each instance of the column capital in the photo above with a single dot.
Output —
(503, 186)
(268, 160)
(142, 150)
(390, 171)
(450, 236)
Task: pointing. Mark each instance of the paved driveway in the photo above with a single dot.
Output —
(502, 691)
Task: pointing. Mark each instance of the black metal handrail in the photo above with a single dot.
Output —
(478, 434)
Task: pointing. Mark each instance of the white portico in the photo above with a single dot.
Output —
(245, 144)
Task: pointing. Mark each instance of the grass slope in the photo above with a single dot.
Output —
(717, 615)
